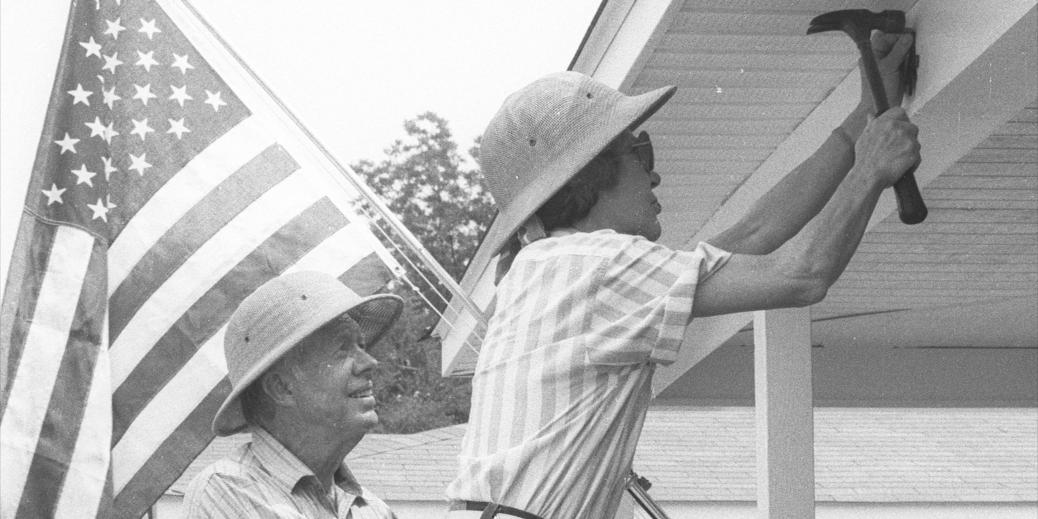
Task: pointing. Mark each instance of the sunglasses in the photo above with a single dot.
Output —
(642, 148)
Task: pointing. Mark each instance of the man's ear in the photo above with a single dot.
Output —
(278, 387)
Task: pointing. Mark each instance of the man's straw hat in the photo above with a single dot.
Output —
(544, 134)
(279, 314)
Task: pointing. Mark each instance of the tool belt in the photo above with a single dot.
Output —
(635, 485)
(491, 510)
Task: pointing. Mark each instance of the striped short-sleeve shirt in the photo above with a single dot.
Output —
(562, 384)
(264, 480)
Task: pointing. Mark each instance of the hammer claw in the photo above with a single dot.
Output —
(859, 24)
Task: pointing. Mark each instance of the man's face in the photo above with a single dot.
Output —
(331, 379)
(631, 207)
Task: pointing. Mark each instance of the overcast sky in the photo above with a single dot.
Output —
(351, 71)
(354, 74)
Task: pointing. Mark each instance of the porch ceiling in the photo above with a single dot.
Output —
(748, 77)
(756, 96)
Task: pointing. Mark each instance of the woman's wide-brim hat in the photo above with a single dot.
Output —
(283, 311)
(544, 134)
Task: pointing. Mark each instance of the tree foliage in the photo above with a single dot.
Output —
(439, 196)
(425, 182)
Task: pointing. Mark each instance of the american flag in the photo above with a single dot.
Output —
(168, 185)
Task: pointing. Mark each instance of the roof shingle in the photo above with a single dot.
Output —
(708, 454)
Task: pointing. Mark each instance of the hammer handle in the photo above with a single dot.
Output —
(910, 206)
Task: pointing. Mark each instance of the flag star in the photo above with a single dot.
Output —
(53, 194)
(67, 144)
(114, 28)
(80, 96)
(109, 168)
(92, 47)
(213, 98)
(83, 176)
(100, 210)
(97, 128)
(109, 133)
(108, 202)
(177, 127)
(110, 97)
(141, 128)
(180, 95)
(181, 63)
(148, 27)
(146, 60)
(111, 62)
(138, 163)
(144, 93)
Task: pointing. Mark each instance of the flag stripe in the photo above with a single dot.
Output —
(46, 339)
(175, 218)
(86, 479)
(368, 275)
(203, 173)
(188, 234)
(69, 393)
(346, 247)
(209, 264)
(133, 449)
(34, 257)
(175, 452)
(203, 372)
(212, 310)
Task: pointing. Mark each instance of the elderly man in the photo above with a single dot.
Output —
(587, 304)
(301, 384)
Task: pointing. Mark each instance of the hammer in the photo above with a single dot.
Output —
(859, 24)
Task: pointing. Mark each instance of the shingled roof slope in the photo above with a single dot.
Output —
(707, 454)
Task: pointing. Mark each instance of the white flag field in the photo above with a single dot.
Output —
(168, 184)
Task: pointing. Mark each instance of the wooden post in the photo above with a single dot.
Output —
(785, 418)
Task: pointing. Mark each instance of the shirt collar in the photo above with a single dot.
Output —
(287, 469)
(561, 231)
(566, 231)
(279, 462)
(345, 480)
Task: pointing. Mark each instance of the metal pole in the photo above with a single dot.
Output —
(409, 239)
(637, 487)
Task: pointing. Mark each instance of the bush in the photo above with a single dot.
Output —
(411, 394)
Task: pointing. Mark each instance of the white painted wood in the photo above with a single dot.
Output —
(978, 61)
(966, 89)
(623, 49)
(983, 88)
(459, 353)
(702, 337)
(785, 418)
(977, 69)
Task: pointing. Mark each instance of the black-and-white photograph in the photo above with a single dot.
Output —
(571, 259)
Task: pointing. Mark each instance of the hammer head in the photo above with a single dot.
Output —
(858, 23)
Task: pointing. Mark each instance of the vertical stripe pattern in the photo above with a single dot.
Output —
(264, 480)
(46, 342)
(564, 376)
(167, 187)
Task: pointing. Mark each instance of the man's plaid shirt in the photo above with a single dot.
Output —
(564, 376)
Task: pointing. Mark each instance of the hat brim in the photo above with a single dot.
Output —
(630, 112)
(375, 314)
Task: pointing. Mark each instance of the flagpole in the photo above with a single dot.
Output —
(409, 238)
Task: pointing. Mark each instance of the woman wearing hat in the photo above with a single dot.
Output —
(587, 304)
(301, 385)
